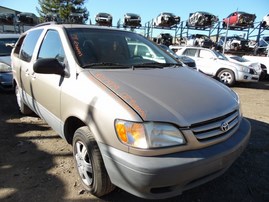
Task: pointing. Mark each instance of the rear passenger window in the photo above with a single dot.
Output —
(190, 52)
(51, 47)
(29, 44)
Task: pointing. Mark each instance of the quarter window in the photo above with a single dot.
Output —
(190, 52)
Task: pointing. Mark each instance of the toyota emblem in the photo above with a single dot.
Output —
(224, 126)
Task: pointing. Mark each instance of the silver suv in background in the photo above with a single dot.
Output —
(215, 64)
(151, 127)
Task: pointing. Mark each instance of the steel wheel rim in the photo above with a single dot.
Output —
(84, 164)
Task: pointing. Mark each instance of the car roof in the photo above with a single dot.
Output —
(67, 26)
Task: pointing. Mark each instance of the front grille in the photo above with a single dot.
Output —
(216, 128)
(251, 71)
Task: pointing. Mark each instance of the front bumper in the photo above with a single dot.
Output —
(246, 77)
(165, 176)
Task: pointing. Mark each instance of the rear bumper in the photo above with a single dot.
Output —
(168, 175)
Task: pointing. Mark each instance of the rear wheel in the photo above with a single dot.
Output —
(89, 163)
(24, 109)
(227, 77)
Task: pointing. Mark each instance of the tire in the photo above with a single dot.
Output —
(89, 163)
(23, 108)
(227, 77)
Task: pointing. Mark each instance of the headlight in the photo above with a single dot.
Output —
(148, 135)
(5, 68)
(243, 68)
(236, 96)
(246, 69)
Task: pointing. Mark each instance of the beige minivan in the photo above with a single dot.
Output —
(152, 128)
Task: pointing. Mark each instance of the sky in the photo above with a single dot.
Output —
(149, 9)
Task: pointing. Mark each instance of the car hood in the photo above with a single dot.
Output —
(176, 95)
(227, 63)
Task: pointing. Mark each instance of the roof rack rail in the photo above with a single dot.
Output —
(47, 23)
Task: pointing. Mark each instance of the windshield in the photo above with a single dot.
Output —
(220, 55)
(95, 47)
(239, 59)
(6, 45)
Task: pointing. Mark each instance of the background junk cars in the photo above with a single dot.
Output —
(166, 20)
(28, 18)
(145, 124)
(233, 43)
(265, 21)
(199, 40)
(7, 41)
(201, 19)
(239, 19)
(131, 20)
(104, 19)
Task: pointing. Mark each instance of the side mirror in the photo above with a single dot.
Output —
(49, 66)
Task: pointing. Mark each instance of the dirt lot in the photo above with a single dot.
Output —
(37, 165)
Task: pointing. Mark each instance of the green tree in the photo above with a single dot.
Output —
(65, 11)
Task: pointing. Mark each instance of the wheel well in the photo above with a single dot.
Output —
(220, 69)
(70, 126)
(223, 68)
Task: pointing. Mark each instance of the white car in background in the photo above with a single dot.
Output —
(256, 66)
(265, 21)
(215, 64)
(166, 20)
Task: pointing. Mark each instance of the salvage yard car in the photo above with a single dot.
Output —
(103, 19)
(166, 20)
(215, 64)
(7, 41)
(131, 20)
(201, 19)
(199, 40)
(265, 21)
(151, 128)
(240, 20)
(233, 43)
(256, 66)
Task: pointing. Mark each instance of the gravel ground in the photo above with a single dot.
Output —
(37, 165)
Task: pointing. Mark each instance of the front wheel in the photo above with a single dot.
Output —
(227, 77)
(89, 163)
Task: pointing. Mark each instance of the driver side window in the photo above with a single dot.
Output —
(52, 47)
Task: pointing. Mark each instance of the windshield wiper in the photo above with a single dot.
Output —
(106, 65)
(156, 65)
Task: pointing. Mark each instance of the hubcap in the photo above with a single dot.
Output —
(84, 163)
(226, 77)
